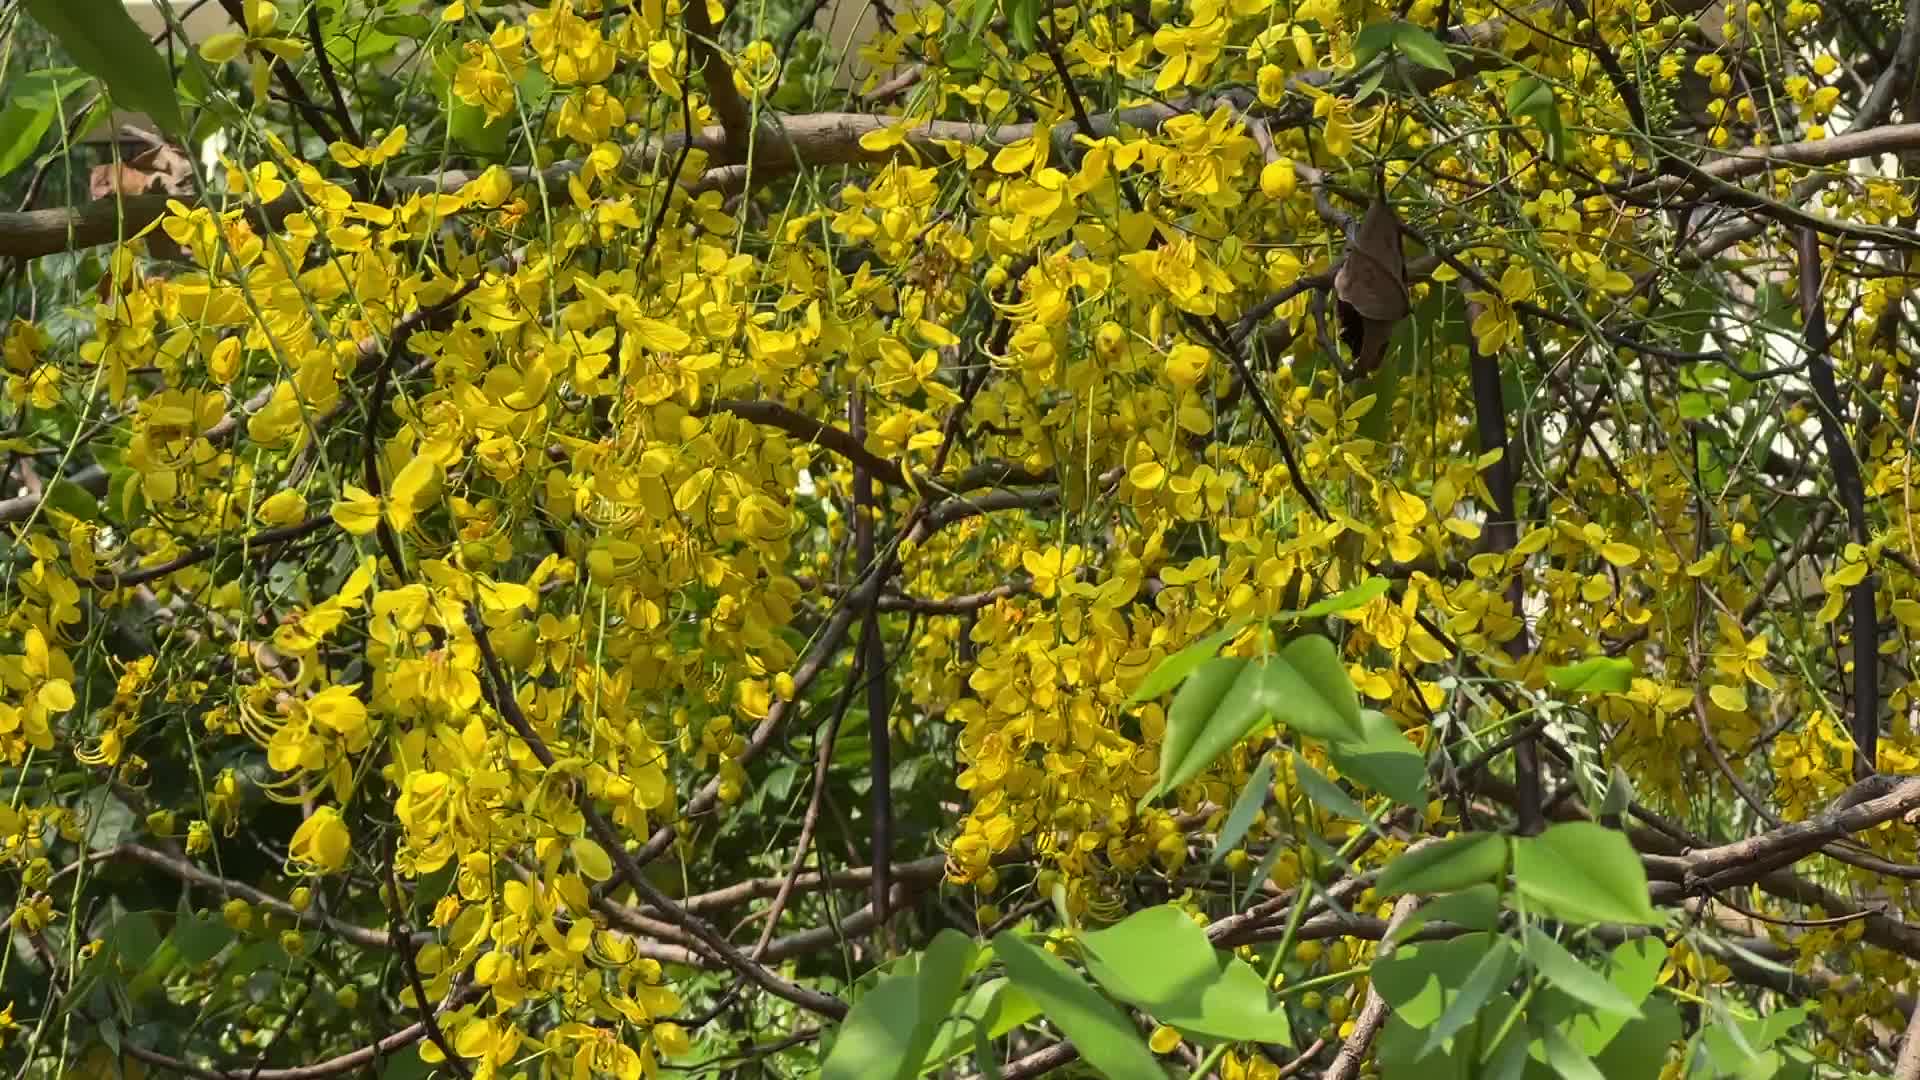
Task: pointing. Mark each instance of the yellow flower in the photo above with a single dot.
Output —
(322, 842)
(354, 157)
(359, 512)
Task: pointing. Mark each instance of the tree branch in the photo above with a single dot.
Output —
(500, 695)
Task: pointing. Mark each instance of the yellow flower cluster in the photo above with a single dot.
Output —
(558, 409)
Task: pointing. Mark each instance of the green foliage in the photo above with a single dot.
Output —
(1582, 873)
(1416, 43)
(894, 1025)
(1226, 699)
(1447, 865)
(1101, 1031)
(103, 40)
(1596, 675)
(31, 107)
(1159, 960)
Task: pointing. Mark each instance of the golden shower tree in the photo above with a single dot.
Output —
(1182, 537)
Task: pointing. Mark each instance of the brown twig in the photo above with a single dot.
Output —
(822, 759)
(1373, 1016)
(403, 948)
(500, 695)
(1907, 1066)
(296, 93)
(350, 1061)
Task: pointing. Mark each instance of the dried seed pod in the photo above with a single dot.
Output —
(1371, 286)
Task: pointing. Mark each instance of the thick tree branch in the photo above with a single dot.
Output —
(1851, 490)
(736, 115)
(873, 659)
(1502, 533)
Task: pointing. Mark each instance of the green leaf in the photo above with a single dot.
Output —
(1326, 794)
(1309, 690)
(982, 14)
(1594, 675)
(1372, 40)
(1359, 596)
(1384, 760)
(73, 499)
(1743, 1046)
(126, 499)
(21, 128)
(1496, 968)
(1421, 47)
(1565, 973)
(410, 27)
(1619, 794)
(406, 1066)
(33, 103)
(1567, 1059)
(1633, 970)
(984, 1059)
(1160, 960)
(200, 938)
(469, 126)
(1304, 686)
(1476, 908)
(891, 1029)
(133, 937)
(1583, 873)
(1194, 708)
(1262, 872)
(1640, 1051)
(1417, 44)
(1533, 97)
(993, 1008)
(1252, 798)
(1174, 669)
(1450, 865)
(1529, 96)
(1105, 1037)
(1420, 978)
(1023, 19)
(1694, 306)
(108, 820)
(1636, 966)
(103, 39)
